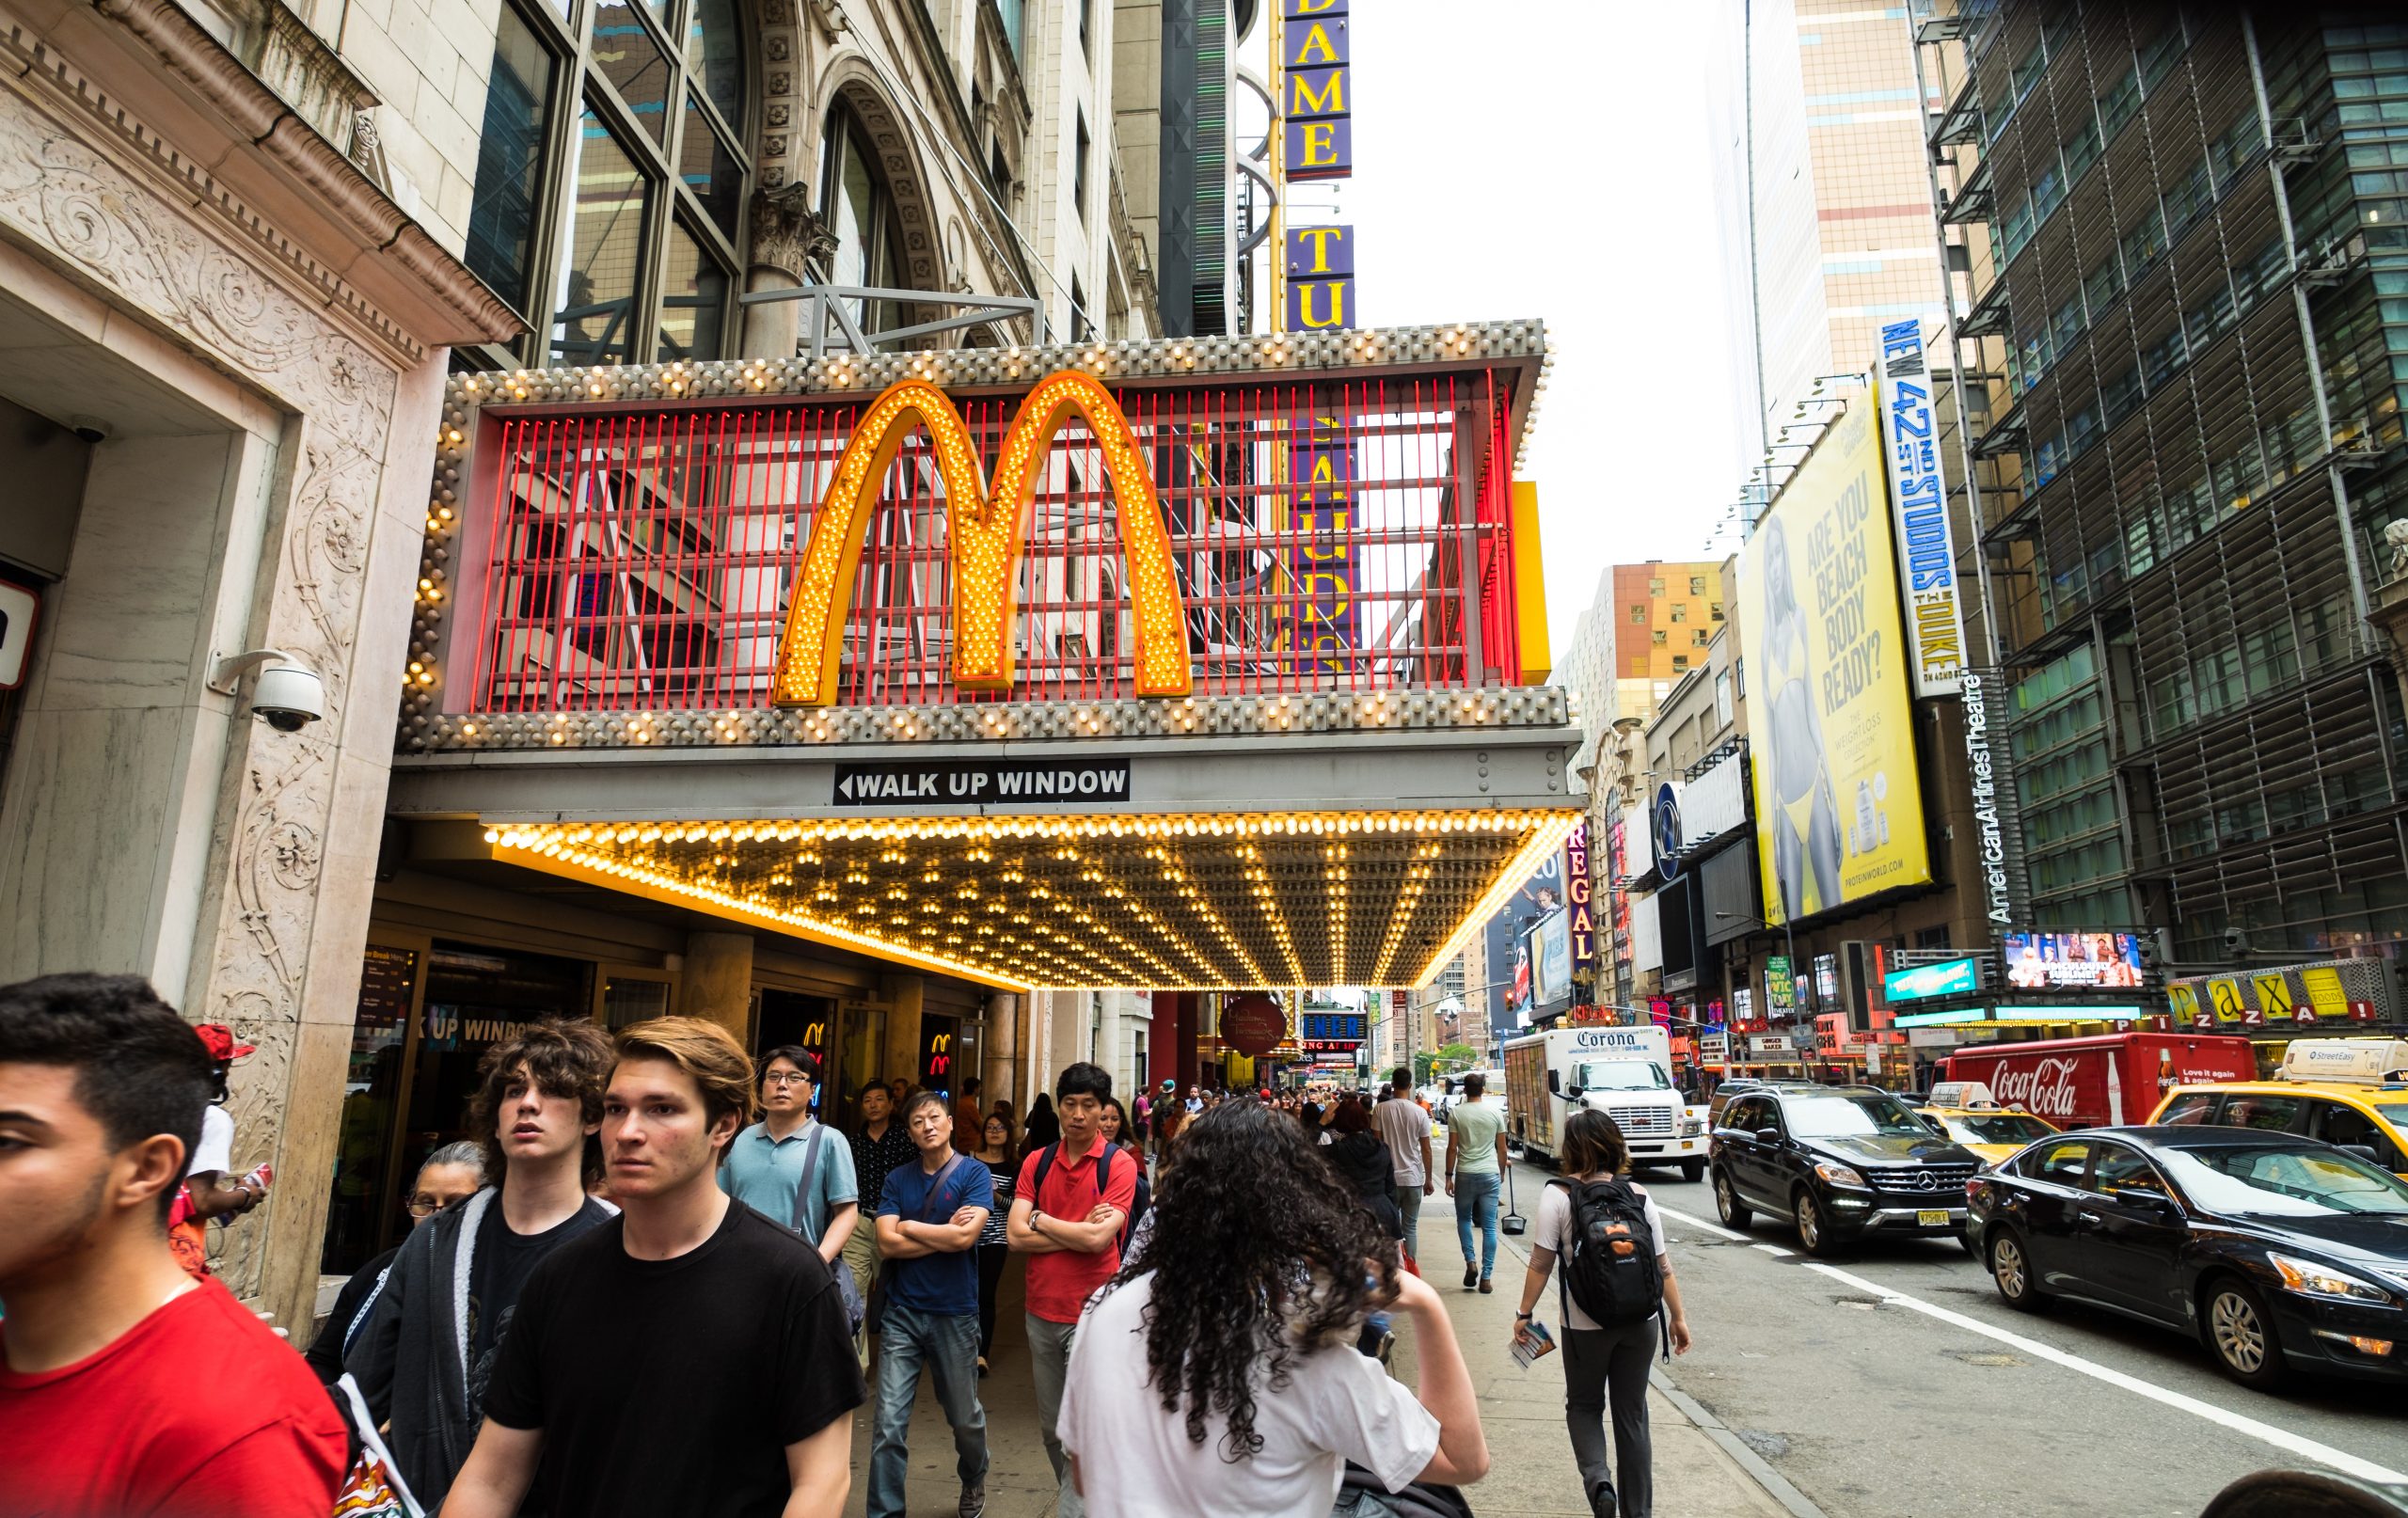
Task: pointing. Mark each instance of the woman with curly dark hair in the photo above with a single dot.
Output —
(1220, 1358)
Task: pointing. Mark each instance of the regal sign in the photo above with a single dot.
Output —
(986, 533)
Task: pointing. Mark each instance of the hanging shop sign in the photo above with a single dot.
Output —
(986, 533)
(1253, 1024)
(1780, 991)
(1919, 507)
(1667, 830)
(1576, 882)
(1322, 574)
(1992, 795)
(979, 782)
(1317, 65)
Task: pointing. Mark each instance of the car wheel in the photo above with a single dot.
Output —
(1813, 1228)
(2011, 1273)
(1692, 1170)
(2241, 1333)
(1726, 1201)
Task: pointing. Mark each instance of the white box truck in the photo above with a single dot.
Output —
(1626, 1073)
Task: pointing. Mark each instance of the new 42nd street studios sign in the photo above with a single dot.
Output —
(979, 781)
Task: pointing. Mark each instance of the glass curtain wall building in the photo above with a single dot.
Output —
(2188, 290)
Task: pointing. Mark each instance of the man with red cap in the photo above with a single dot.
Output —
(211, 1189)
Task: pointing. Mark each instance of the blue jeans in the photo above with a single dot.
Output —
(1476, 1201)
(947, 1344)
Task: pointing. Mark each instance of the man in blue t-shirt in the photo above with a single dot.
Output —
(930, 1215)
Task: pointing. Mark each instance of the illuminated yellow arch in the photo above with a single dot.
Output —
(987, 532)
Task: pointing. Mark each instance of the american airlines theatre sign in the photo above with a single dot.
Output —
(1009, 663)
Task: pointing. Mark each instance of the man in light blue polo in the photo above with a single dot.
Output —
(766, 1163)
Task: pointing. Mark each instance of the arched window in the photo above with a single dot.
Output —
(859, 206)
(611, 176)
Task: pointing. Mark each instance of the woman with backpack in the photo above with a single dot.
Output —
(1618, 1302)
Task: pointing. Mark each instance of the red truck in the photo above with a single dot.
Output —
(2095, 1082)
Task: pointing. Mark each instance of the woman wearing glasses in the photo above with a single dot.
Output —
(451, 1174)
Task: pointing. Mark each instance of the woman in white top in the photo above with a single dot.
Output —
(1222, 1365)
(1602, 1363)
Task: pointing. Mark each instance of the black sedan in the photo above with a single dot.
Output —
(2279, 1253)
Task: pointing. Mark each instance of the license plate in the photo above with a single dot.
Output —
(1932, 1217)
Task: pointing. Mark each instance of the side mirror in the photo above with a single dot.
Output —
(1573, 1094)
(1555, 1081)
(2363, 1151)
(2141, 1200)
(1767, 1135)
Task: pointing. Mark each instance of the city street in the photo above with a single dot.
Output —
(1894, 1381)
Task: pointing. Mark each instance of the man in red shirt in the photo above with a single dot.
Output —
(127, 1386)
(1068, 1209)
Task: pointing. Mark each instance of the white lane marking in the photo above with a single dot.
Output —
(1715, 1228)
(1773, 1249)
(2282, 1439)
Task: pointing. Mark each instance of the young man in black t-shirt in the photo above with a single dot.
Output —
(456, 1283)
(689, 1356)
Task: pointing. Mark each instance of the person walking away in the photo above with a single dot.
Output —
(211, 1188)
(1404, 1127)
(928, 1223)
(425, 1355)
(1606, 1360)
(1203, 1369)
(128, 1386)
(451, 1174)
(1068, 1209)
(1170, 1114)
(969, 1122)
(1476, 1164)
(1043, 1127)
(1000, 1153)
(788, 1166)
(879, 1144)
(687, 1356)
(1361, 1160)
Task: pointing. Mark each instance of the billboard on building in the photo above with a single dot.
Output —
(1839, 804)
(2036, 960)
(1549, 941)
(1935, 623)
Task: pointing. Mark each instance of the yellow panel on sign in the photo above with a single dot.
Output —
(2184, 999)
(1839, 805)
(2326, 992)
(2275, 996)
(2224, 996)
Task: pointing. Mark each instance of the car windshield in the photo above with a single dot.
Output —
(1623, 1075)
(2394, 1112)
(1852, 1116)
(2283, 1180)
(1995, 1127)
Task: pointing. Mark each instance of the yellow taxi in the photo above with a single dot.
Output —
(2352, 1093)
(1966, 1111)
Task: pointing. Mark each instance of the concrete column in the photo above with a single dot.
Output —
(903, 995)
(718, 981)
(1069, 1037)
(1000, 1062)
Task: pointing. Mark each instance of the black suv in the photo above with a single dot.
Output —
(1841, 1162)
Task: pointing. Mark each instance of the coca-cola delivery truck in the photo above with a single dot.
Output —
(2103, 1082)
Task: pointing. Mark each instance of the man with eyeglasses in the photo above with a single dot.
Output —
(451, 1174)
(790, 1168)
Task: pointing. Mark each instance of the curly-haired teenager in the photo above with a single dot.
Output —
(1222, 1358)
(1602, 1362)
(427, 1348)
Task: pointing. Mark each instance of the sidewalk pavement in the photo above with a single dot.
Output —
(1530, 1470)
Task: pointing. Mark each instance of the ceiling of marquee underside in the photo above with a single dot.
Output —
(1244, 900)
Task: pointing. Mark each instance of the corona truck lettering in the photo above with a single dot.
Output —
(986, 530)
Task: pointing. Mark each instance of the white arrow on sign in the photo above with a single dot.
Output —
(845, 787)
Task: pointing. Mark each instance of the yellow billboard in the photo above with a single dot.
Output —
(1839, 805)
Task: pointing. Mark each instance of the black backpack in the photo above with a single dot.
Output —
(1610, 1268)
(1137, 1204)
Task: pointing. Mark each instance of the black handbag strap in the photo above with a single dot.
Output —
(810, 1174)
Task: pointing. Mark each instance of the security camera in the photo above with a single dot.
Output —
(90, 429)
(288, 699)
(286, 696)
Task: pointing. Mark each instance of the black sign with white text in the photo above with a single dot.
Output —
(981, 782)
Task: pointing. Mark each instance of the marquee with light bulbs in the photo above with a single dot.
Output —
(662, 609)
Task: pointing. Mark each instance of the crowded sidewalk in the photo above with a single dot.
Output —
(1532, 1475)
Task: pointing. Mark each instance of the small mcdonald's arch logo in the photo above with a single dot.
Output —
(939, 1053)
(986, 530)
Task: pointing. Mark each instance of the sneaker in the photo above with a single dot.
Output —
(974, 1500)
(1471, 1276)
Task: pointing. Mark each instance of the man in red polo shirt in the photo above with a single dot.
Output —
(126, 1386)
(1068, 1209)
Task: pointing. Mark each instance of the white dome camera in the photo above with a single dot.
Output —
(286, 696)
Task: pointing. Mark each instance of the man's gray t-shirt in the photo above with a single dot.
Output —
(764, 1174)
(1402, 1126)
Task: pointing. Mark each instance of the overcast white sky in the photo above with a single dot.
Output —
(1548, 158)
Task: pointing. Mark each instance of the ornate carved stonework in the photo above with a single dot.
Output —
(87, 189)
(788, 235)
